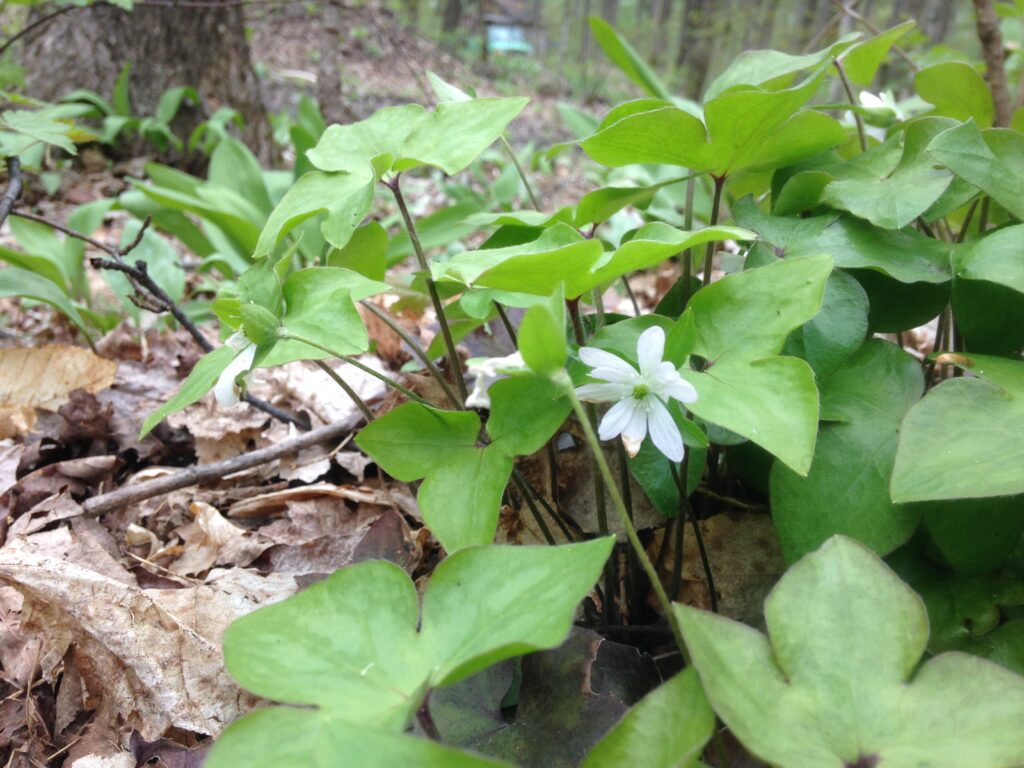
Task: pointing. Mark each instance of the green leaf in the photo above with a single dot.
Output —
(832, 686)
(519, 431)
(895, 199)
(772, 68)
(998, 257)
(992, 160)
(320, 308)
(278, 736)
(200, 381)
(29, 128)
(957, 90)
(975, 535)
(343, 198)
(988, 292)
(402, 138)
(234, 166)
(161, 262)
(625, 57)
(15, 281)
(976, 423)
(847, 488)
(905, 255)
(862, 60)
(741, 321)
(364, 630)
(746, 130)
(668, 728)
(837, 331)
(364, 252)
(542, 335)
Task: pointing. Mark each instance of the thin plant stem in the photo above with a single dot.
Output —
(417, 350)
(435, 298)
(632, 580)
(679, 531)
(691, 186)
(347, 389)
(709, 252)
(631, 295)
(599, 307)
(967, 222)
(509, 328)
(861, 132)
(627, 524)
(983, 221)
(522, 173)
(528, 498)
(361, 366)
(686, 511)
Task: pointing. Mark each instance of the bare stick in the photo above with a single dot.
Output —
(150, 296)
(132, 494)
(992, 49)
(13, 187)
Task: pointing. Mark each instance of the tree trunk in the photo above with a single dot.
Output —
(328, 68)
(205, 48)
(694, 52)
(452, 16)
(661, 31)
(610, 10)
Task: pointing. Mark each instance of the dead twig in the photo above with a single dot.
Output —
(196, 475)
(987, 22)
(13, 190)
(151, 297)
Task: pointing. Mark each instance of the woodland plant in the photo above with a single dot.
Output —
(779, 377)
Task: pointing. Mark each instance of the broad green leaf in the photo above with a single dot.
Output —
(200, 381)
(905, 255)
(461, 496)
(520, 431)
(975, 535)
(440, 228)
(344, 198)
(320, 308)
(401, 138)
(897, 198)
(15, 281)
(957, 90)
(23, 129)
(837, 331)
(43, 266)
(745, 130)
(772, 68)
(445, 91)
(831, 685)
(625, 57)
(862, 60)
(773, 402)
(992, 160)
(364, 633)
(963, 439)
(998, 258)
(364, 252)
(279, 736)
(668, 728)
(542, 335)
(234, 166)
(742, 321)
(747, 316)
(847, 488)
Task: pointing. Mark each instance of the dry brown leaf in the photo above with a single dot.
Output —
(10, 456)
(43, 377)
(746, 561)
(212, 540)
(137, 657)
(276, 502)
(120, 760)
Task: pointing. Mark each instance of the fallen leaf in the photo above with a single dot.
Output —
(213, 540)
(43, 377)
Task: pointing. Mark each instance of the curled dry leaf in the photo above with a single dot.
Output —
(42, 377)
(213, 540)
(151, 665)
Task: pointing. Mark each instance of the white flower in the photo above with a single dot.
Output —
(224, 389)
(488, 371)
(640, 397)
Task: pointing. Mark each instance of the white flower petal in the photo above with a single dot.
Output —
(681, 390)
(598, 358)
(604, 393)
(615, 375)
(224, 389)
(636, 429)
(650, 348)
(618, 418)
(664, 431)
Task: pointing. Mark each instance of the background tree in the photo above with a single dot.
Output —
(203, 47)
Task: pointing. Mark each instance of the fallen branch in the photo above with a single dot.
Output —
(150, 296)
(13, 190)
(132, 494)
